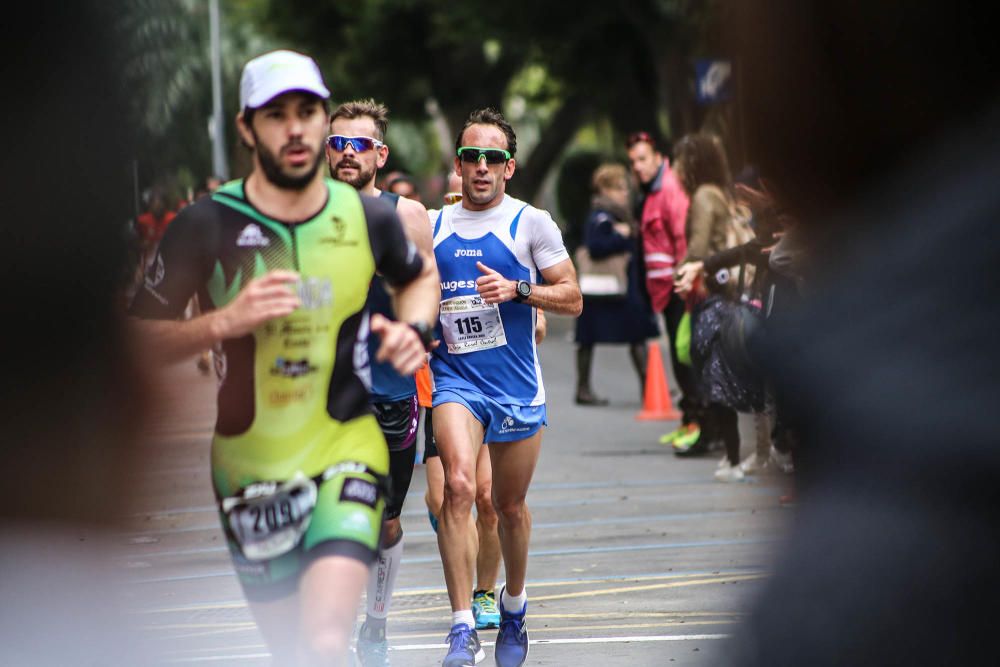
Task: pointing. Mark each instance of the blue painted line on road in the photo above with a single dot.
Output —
(536, 504)
(532, 554)
(422, 511)
(535, 487)
(649, 518)
(642, 547)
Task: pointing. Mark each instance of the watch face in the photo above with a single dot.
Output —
(524, 288)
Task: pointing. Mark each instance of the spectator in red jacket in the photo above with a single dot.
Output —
(664, 211)
(153, 223)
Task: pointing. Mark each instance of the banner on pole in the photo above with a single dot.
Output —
(713, 81)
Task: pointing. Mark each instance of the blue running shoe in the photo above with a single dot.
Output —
(512, 640)
(484, 609)
(463, 647)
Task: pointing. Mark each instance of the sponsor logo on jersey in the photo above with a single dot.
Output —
(282, 398)
(156, 295)
(156, 272)
(314, 293)
(362, 367)
(468, 252)
(289, 328)
(250, 569)
(252, 237)
(154, 276)
(359, 491)
(259, 489)
(339, 229)
(291, 368)
(454, 285)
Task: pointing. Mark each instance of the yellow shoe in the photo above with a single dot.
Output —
(688, 436)
(668, 438)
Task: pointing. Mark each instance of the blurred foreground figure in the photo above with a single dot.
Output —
(69, 401)
(281, 261)
(878, 125)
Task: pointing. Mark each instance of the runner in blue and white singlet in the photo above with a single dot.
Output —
(499, 260)
(489, 348)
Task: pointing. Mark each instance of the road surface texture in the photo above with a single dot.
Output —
(637, 557)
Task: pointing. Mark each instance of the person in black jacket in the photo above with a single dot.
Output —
(878, 125)
(615, 308)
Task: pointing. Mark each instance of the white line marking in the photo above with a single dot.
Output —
(438, 647)
(577, 640)
(218, 658)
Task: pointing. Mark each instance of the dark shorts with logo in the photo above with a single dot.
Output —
(398, 421)
(347, 521)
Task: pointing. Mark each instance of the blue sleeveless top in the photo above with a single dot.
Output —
(505, 369)
(387, 384)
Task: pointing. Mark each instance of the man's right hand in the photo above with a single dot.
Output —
(261, 300)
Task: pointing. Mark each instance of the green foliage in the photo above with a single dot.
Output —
(551, 67)
(168, 78)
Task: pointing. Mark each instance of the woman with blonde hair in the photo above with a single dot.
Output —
(615, 309)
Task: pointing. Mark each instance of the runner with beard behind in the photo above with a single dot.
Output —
(281, 262)
(355, 151)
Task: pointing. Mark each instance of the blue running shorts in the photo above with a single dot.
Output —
(503, 423)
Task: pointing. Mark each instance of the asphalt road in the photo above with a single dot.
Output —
(637, 557)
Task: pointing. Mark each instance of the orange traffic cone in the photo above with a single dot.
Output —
(656, 405)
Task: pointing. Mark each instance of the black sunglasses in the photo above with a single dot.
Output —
(473, 154)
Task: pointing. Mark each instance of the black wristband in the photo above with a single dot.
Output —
(425, 332)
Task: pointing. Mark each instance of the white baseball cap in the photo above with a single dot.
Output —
(267, 76)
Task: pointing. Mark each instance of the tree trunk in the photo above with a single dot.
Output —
(532, 172)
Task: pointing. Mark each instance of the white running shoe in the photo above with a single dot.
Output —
(723, 462)
(729, 473)
(782, 462)
(750, 465)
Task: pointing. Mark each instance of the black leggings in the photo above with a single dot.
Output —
(720, 423)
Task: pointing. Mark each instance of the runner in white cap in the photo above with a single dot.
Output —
(281, 262)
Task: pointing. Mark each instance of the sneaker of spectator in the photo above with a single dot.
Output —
(782, 461)
(757, 465)
(726, 472)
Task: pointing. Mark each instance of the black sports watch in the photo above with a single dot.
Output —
(522, 291)
(426, 333)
